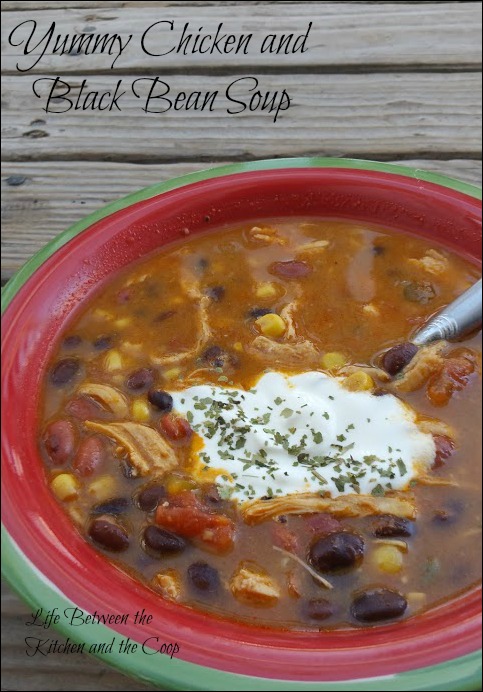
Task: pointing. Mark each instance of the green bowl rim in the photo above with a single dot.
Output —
(463, 673)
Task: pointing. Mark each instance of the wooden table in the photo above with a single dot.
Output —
(386, 81)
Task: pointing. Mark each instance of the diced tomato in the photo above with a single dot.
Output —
(185, 516)
(444, 449)
(453, 376)
(175, 428)
(284, 538)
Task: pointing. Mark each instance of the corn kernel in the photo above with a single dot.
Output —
(140, 410)
(177, 484)
(102, 488)
(266, 290)
(388, 559)
(113, 361)
(172, 373)
(123, 322)
(238, 346)
(65, 486)
(102, 314)
(359, 381)
(334, 360)
(271, 325)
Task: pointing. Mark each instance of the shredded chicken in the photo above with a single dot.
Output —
(376, 373)
(147, 450)
(109, 397)
(265, 235)
(427, 361)
(433, 262)
(252, 585)
(168, 582)
(433, 426)
(257, 511)
(316, 246)
(282, 353)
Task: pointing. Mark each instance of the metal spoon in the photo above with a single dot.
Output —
(460, 317)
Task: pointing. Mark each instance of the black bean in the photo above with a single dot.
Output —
(318, 609)
(202, 264)
(378, 604)
(337, 551)
(394, 360)
(72, 341)
(161, 541)
(378, 250)
(204, 577)
(64, 371)
(150, 497)
(216, 293)
(419, 292)
(161, 400)
(390, 526)
(217, 357)
(255, 313)
(141, 379)
(109, 535)
(102, 343)
(118, 505)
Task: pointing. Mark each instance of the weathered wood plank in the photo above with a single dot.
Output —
(39, 200)
(342, 34)
(56, 672)
(359, 115)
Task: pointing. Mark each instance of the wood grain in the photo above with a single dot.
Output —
(335, 115)
(342, 35)
(39, 200)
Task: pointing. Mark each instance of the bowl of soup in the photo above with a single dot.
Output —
(225, 464)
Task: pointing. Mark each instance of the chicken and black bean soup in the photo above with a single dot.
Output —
(241, 422)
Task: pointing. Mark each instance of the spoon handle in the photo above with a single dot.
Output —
(460, 317)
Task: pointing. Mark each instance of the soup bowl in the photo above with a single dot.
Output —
(52, 567)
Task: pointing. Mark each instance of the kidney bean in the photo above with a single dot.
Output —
(445, 447)
(293, 269)
(150, 497)
(217, 357)
(394, 360)
(141, 379)
(204, 577)
(323, 523)
(109, 535)
(64, 371)
(102, 343)
(378, 604)
(318, 609)
(59, 441)
(175, 427)
(83, 408)
(161, 541)
(161, 400)
(337, 551)
(89, 456)
(118, 505)
(216, 293)
(419, 292)
(390, 526)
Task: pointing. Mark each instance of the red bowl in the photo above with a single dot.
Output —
(49, 562)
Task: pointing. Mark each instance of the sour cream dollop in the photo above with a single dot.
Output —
(304, 433)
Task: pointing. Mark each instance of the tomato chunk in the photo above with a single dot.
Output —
(186, 516)
(444, 449)
(453, 376)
